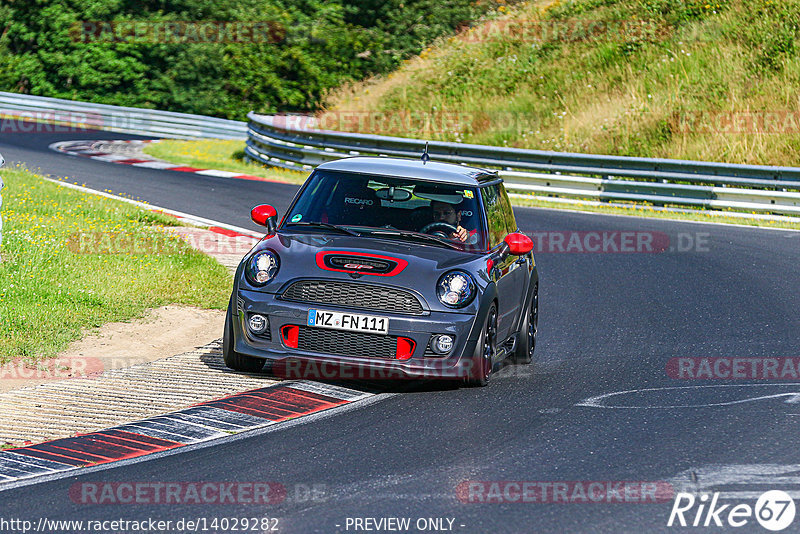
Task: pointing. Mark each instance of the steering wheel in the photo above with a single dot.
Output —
(442, 229)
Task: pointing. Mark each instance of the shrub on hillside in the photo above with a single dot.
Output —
(313, 46)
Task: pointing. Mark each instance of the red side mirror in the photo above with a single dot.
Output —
(264, 215)
(518, 244)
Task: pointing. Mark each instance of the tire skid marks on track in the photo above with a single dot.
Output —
(203, 422)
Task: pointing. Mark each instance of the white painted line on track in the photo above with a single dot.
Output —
(220, 174)
(598, 401)
(191, 219)
(154, 165)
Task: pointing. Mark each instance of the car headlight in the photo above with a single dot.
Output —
(262, 267)
(456, 289)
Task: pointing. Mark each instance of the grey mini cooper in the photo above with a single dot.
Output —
(387, 268)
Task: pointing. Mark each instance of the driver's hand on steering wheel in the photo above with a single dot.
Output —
(461, 234)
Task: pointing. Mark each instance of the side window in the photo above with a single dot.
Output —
(508, 211)
(495, 199)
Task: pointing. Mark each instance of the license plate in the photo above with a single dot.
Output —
(352, 322)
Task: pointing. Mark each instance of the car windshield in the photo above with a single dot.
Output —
(397, 207)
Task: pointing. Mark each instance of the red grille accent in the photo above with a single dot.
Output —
(405, 348)
(289, 334)
(373, 264)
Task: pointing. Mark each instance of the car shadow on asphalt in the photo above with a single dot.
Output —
(365, 385)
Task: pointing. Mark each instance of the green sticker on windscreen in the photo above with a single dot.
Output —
(297, 218)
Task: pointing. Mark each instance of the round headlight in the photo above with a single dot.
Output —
(262, 267)
(456, 289)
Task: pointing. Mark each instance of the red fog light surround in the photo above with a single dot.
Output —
(289, 334)
(405, 348)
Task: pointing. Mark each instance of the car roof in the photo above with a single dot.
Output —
(412, 168)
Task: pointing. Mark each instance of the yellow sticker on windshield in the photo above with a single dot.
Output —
(468, 194)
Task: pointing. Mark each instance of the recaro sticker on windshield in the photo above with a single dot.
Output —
(359, 201)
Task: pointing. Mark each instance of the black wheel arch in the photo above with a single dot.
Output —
(532, 281)
(487, 297)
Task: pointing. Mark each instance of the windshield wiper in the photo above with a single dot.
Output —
(327, 226)
(414, 235)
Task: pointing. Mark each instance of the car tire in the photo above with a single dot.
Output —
(234, 360)
(485, 351)
(526, 342)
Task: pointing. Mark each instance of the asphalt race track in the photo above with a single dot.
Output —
(204, 194)
(610, 323)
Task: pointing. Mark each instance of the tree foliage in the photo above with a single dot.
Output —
(315, 45)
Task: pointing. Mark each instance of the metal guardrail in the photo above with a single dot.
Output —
(148, 122)
(282, 141)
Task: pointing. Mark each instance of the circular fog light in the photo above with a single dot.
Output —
(258, 324)
(442, 344)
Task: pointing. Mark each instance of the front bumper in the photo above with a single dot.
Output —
(291, 362)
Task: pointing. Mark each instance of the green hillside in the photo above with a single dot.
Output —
(660, 78)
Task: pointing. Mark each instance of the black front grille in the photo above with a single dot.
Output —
(352, 295)
(429, 351)
(266, 336)
(346, 343)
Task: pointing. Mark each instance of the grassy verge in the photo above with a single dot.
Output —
(74, 261)
(638, 210)
(219, 155)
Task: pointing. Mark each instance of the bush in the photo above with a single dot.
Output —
(315, 45)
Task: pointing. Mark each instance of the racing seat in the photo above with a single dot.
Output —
(356, 204)
(419, 217)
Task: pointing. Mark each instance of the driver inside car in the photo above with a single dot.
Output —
(444, 212)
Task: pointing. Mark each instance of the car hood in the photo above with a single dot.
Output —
(422, 264)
